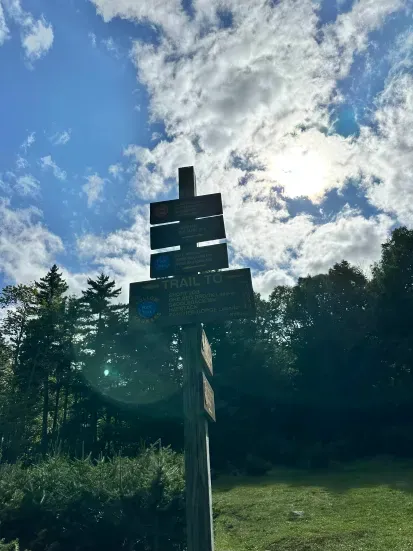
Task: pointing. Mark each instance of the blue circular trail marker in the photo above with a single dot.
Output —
(162, 262)
(147, 309)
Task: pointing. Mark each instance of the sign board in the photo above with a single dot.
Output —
(185, 209)
(212, 257)
(209, 400)
(207, 297)
(189, 231)
(206, 352)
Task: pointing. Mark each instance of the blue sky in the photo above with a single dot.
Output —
(299, 114)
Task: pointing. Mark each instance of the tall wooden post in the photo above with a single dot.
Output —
(200, 535)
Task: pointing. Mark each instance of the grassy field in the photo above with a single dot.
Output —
(362, 507)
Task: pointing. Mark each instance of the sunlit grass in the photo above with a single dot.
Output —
(363, 508)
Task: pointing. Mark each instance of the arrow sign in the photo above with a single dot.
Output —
(190, 231)
(206, 352)
(185, 209)
(209, 399)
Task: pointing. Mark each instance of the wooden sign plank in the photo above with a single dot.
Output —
(208, 297)
(190, 231)
(209, 399)
(185, 209)
(206, 353)
(201, 259)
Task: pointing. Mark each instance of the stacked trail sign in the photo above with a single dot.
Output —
(188, 290)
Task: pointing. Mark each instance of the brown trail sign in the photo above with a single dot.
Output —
(185, 209)
(187, 232)
(209, 400)
(206, 353)
(201, 259)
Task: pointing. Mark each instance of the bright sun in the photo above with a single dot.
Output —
(301, 173)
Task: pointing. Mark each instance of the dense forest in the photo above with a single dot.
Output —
(324, 373)
(91, 423)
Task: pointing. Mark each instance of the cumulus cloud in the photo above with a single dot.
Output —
(37, 39)
(386, 152)
(93, 188)
(124, 254)
(350, 31)
(116, 171)
(47, 163)
(349, 237)
(27, 248)
(29, 141)
(4, 31)
(36, 35)
(61, 138)
(21, 163)
(27, 186)
(167, 15)
(249, 107)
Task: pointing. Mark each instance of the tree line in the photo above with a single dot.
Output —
(324, 373)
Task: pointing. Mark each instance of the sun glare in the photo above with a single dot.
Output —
(302, 173)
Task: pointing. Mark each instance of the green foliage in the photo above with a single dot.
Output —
(121, 503)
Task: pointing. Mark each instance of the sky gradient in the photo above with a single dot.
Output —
(299, 112)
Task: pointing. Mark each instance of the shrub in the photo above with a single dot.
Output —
(61, 504)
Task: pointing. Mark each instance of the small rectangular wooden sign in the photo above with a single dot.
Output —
(189, 231)
(201, 259)
(206, 353)
(209, 399)
(184, 209)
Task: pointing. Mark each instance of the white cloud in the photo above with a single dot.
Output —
(123, 254)
(350, 31)
(168, 15)
(38, 39)
(385, 155)
(48, 163)
(27, 248)
(349, 237)
(21, 163)
(27, 186)
(61, 138)
(29, 141)
(4, 31)
(92, 37)
(250, 104)
(36, 35)
(265, 282)
(93, 188)
(116, 170)
(112, 47)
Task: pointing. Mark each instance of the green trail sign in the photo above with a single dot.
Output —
(206, 297)
(190, 231)
(201, 259)
(183, 209)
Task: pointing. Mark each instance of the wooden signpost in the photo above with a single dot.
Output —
(193, 295)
